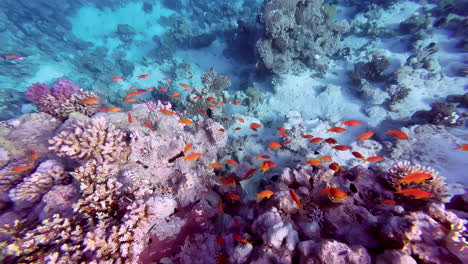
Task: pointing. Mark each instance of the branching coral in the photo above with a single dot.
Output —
(94, 138)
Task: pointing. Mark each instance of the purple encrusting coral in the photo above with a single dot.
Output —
(36, 91)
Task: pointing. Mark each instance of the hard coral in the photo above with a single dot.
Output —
(92, 139)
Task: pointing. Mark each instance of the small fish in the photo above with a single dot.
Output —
(168, 79)
(148, 125)
(283, 134)
(234, 197)
(130, 118)
(236, 103)
(228, 181)
(187, 147)
(416, 193)
(113, 109)
(13, 57)
(416, 177)
(192, 156)
(33, 156)
(220, 207)
(221, 130)
(358, 155)
(163, 89)
(307, 136)
(141, 90)
(287, 142)
(134, 94)
(351, 123)
(240, 239)
(128, 99)
(366, 135)
(175, 94)
(463, 147)
(186, 121)
(282, 129)
(196, 97)
(267, 165)
(237, 128)
(117, 79)
(205, 113)
(274, 145)
(255, 126)
(340, 147)
(92, 100)
(334, 167)
(21, 168)
(265, 194)
(314, 162)
(261, 156)
(398, 134)
(132, 88)
(389, 202)
(334, 193)
(331, 141)
(221, 242)
(236, 221)
(151, 89)
(336, 129)
(249, 173)
(296, 199)
(143, 76)
(184, 85)
(213, 106)
(326, 158)
(232, 162)
(186, 90)
(374, 159)
(215, 165)
(210, 99)
(220, 103)
(190, 77)
(316, 140)
(240, 119)
(167, 112)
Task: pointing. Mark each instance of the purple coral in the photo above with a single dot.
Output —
(64, 89)
(36, 91)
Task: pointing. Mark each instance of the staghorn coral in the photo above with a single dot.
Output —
(91, 139)
(435, 185)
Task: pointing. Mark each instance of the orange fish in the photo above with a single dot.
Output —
(255, 126)
(134, 94)
(389, 202)
(143, 76)
(334, 193)
(249, 173)
(334, 167)
(326, 158)
(316, 140)
(185, 121)
(267, 165)
(163, 89)
(282, 129)
(192, 156)
(358, 155)
(261, 156)
(21, 169)
(151, 89)
(232, 162)
(366, 135)
(307, 136)
(398, 134)
(92, 100)
(341, 147)
(186, 90)
(113, 109)
(351, 123)
(129, 99)
(296, 199)
(241, 119)
(314, 162)
(130, 118)
(283, 134)
(462, 147)
(240, 239)
(274, 145)
(167, 112)
(141, 90)
(374, 159)
(234, 197)
(213, 106)
(216, 165)
(236, 103)
(117, 79)
(132, 88)
(187, 147)
(210, 99)
(416, 177)
(221, 242)
(265, 194)
(228, 181)
(336, 129)
(331, 141)
(175, 94)
(184, 85)
(220, 103)
(33, 156)
(416, 193)
(167, 79)
(148, 125)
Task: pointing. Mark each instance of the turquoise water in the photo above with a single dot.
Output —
(306, 66)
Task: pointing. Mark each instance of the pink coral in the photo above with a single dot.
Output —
(36, 91)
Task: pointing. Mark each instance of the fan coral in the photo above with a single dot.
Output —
(435, 185)
(94, 138)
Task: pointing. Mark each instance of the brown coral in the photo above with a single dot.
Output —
(92, 139)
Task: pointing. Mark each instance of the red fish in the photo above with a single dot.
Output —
(334, 167)
(187, 148)
(232, 162)
(241, 119)
(190, 77)
(416, 177)
(128, 99)
(255, 126)
(351, 123)
(398, 134)
(296, 199)
(462, 147)
(192, 156)
(336, 129)
(113, 109)
(132, 88)
(237, 128)
(307, 136)
(216, 165)
(33, 156)
(314, 162)
(141, 90)
(186, 90)
(130, 118)
(249, 173)
(220, 103)
(92, 100)
(283, 134)
(416, 193)
(163, 89)
(21, 169)
(341, 147)
(220, 241)
(196, 97)
(220, 207)
(316, 140)
(234, 197)
(168, 79)
(389, 202)
(213, 106)
(331, 141)
(282, 129)
(240, 239)
(228, 181)
(366, 135)
(261, 156)
(287, 142)
(221, 129)
(334, 193)
(175, 94)
(151, 89)
(267, 165)
(117, 79)
(265, 194)
(134, 94)
(143, 76)
(184, 85)
(374, 159)
(210, 99)
(236, 103)
(274, 145)
(148, 125)
(326, 158)
(358, 155)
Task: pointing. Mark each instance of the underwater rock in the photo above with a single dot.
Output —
(444, 114)
(332, 251)
(126, 33)
(58, 200)
(394, 257)
(372, 70)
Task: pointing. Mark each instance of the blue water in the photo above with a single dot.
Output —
(392, 65)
